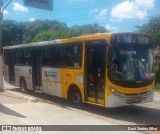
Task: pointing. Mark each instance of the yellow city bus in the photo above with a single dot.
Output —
(108, 69)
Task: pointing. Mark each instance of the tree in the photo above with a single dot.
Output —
(64, 32)
(38, 26)
(50, 35)
(40, 30)
(89, 28)
(13, 32)
(152, 28)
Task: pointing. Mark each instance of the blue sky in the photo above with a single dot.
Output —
(114, 15)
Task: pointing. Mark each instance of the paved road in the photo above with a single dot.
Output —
(28, 108)
(148, 113)
(14, 110)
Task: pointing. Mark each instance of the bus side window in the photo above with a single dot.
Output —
(27, 58)
(19, 57)
(60, 56)
(69, 56)
(52, 55)
(6, 56)
(73, 56)
(47, 61)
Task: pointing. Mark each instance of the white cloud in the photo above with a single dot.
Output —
(98, 14)
(149, 4)
(115, 20)
(102, 14)
(32, 19)
(111, 28)
(136, 9)
(93, 12)
(19, 7)
(5, 12)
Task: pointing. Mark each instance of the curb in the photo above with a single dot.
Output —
(21, 95)
(27, 97)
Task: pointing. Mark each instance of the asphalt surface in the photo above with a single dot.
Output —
(27, 107)
(146, 114)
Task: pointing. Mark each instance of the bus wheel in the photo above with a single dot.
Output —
(76, 97)
(23, 85)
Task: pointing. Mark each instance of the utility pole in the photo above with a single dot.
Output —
(3, 6)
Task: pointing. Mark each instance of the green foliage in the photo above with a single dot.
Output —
(157, 73)
(42, 30)
(12, 32)
(157, 88)
(89, 28)
(152, 28)
(38, 26)
(50, 35)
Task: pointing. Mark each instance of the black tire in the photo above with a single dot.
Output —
(23, 85)
(76, 97)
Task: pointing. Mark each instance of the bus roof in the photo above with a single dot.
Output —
(85, 37)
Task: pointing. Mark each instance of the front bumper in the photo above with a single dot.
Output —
(116, 101)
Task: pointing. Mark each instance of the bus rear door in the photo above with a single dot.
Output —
(36, 66)
(11, 64)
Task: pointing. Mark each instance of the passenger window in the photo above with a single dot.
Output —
(73, 56)
(60, 56)
(6, 56)
(26, 53)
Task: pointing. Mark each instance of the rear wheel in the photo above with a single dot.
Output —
(23, 85)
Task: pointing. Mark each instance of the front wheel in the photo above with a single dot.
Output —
(76, 97)
(23, 86)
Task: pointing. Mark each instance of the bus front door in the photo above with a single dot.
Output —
(95, 73)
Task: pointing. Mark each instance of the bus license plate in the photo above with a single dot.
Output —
(137, 99)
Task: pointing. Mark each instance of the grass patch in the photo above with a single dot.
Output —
(157, 88)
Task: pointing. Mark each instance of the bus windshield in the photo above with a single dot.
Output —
(131, 61)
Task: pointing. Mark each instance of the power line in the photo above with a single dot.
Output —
(62, 10)
(79, 18)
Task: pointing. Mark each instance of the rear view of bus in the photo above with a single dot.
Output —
(130, 69)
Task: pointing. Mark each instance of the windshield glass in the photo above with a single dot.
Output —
(131, 62)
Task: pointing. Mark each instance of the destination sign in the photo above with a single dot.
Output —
(131, 39)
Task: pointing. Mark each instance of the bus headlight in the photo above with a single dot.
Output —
(115, 92)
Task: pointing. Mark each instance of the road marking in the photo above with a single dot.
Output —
(156, 106)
